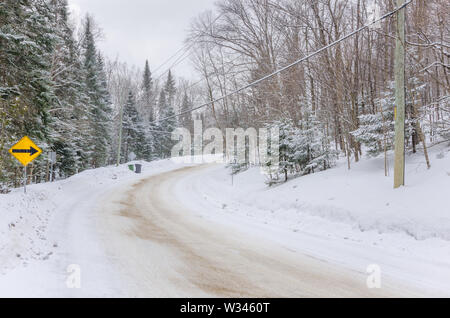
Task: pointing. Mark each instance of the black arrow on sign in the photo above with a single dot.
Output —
(31, 151)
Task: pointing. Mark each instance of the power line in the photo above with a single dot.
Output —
(208, 75)
(186, 48)
(170, 58)
(387, 15)
(178, 61)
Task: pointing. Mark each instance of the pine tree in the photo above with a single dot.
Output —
(26, 87)
(312, 151)
(151, 141)
(148, 152)
(69, 95)
(147, 88)
(99, 112)
(102, 117)
(167, 125)
(303, 148)
(376, 130)
(134, 136)
(154, 140)
(185, 120)
(128, 129)
(170, 89)
(286, 148)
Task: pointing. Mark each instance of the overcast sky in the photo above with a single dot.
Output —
(136, 30)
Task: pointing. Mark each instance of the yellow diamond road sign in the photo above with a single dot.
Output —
(25, 151)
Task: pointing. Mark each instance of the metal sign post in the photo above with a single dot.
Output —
(25, 179)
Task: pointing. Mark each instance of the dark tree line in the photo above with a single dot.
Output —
(52, 88)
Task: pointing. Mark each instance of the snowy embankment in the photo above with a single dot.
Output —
(361, 197)
(53, 226)
(350, 217)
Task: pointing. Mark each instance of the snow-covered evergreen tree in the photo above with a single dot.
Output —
(170, 89)
(312, 146)
(67, 75)
(165, 127)
(376, 131)
(26, 88)
(287, 147)
(147, 91)
(185, 119)
(99, 99)
(303, 148)
(148, 103)
(134, 135)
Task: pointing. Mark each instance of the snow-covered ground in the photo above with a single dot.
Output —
(354, 218)
(54, 226)
(348, 218)
(361, 197)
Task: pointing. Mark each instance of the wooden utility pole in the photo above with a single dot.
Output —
(399, 160)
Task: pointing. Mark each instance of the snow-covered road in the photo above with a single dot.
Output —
(163, 248)
(181, 230)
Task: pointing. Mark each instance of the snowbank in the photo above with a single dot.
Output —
(361, 197)
(40, 228)
(349, 218)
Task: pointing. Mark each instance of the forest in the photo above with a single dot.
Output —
(57, 87)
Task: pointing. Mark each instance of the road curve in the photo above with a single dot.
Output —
(161, 249)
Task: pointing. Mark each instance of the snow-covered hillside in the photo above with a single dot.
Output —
(361, 197)
(350, 217)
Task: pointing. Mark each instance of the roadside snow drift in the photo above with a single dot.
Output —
(349, 217)
(53, 225)
(361, 197)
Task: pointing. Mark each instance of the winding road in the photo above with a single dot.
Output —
(162, 249)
